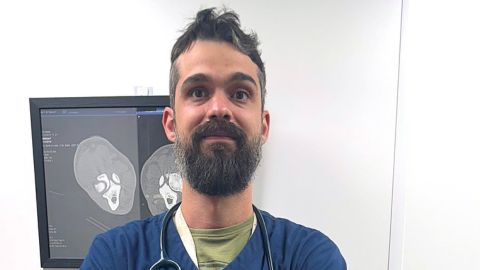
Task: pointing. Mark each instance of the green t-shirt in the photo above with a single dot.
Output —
(216, 248)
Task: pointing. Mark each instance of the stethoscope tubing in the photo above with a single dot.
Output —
(165, 261)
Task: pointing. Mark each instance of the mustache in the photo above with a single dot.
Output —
(219, 127)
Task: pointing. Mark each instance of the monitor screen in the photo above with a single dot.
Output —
(100, 162)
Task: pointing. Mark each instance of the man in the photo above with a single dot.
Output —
(218, 124)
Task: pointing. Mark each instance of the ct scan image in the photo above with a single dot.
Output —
(161, 181)
(105, 174)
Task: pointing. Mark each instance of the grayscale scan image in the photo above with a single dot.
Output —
(160, 180)
(105, 174)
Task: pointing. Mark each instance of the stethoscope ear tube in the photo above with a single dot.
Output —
(266, 242)
(165, 261)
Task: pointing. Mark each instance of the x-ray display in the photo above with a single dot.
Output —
(94, 159)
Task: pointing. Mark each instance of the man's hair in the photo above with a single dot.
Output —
(223, 27)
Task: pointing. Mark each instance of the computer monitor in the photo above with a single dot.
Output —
(99, 162)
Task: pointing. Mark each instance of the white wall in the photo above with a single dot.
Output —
(438, 137)
(332, 81)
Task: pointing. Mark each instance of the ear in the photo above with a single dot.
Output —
(265, 126)
(168, 121)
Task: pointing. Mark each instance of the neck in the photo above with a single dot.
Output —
(206, 212)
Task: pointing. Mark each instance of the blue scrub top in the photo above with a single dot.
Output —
(136, 245)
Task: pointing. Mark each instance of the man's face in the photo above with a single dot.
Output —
(216, 82)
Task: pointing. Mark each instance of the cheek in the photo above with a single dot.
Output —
(250, 122)
(186, 120)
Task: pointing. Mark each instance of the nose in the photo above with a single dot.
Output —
(219, 106)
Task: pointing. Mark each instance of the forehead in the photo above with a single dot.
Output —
(215, 59)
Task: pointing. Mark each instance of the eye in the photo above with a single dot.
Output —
(240, 95)
(198, 93)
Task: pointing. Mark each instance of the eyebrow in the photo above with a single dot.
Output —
(195, 78)
(200, 77)
(239, 76)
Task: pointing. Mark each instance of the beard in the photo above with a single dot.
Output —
(218, 169)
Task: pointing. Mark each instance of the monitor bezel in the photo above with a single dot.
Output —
(36, 105)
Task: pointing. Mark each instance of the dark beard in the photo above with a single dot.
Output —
(219, 170)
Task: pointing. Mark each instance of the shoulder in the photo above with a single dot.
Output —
(121, 245)
(132, 231)
(302, 247)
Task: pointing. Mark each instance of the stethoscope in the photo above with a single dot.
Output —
(165, 261)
